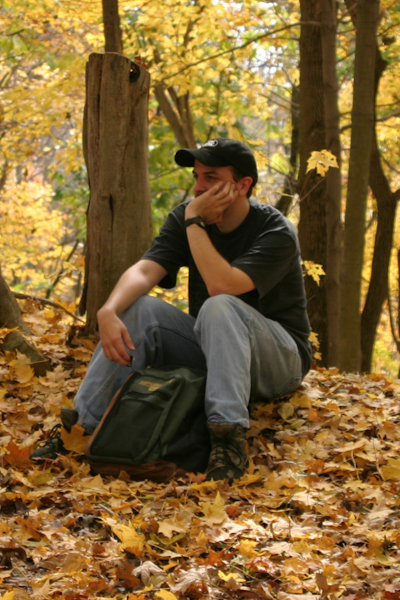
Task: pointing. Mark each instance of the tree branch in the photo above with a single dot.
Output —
(240, 47)
(47, 302)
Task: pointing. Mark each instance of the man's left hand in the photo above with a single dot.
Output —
(212, 204)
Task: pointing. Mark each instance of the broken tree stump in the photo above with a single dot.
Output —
(115, 140)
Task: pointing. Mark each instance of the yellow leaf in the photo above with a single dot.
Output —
(261, 159)
(321, 161)
(168, 526)
(301, 400)
(313, 270)
(76, 440)
(214, 512)
(313, 337)
(394, 462)
(248, 479)
(286, 410)
(23, 374)
(246, 548)
(165, 595)
(229, 576)
(8, 596)
(389, 472)
(16, 595)
(42, 478)
(130, 539)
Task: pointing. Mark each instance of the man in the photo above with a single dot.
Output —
(247, 324)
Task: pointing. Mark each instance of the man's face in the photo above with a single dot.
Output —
(206, 177)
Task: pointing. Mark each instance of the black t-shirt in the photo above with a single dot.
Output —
(265, 246)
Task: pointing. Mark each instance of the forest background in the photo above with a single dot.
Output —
(281, 76)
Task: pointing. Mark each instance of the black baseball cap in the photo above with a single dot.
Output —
(221, 152)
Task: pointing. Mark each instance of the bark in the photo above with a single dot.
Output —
(10, 317)
(360, 155)
(119, 227)
(10, 312)
(333, 179)
(112, 28)
(285, 201)
(312, 225)
(387, 203)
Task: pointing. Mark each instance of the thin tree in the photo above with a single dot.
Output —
(311, 187)
(112, 26)
(360, 156)
(387, 204)
(333, 193)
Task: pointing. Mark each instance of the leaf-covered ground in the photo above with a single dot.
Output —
(317, 515)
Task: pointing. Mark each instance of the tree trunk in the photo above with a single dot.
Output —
(333, 196)
(10, 317)
(286, 200)
(112, 28)
(387, 203)
(119, 227)
(312, 225)
(360, 155)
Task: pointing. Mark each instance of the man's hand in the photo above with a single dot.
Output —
(211, 204)
(114, 337)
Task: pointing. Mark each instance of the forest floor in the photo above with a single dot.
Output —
(317, 515)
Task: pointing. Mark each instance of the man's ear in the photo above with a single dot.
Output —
(244, 184)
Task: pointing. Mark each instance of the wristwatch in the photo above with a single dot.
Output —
(195, 221)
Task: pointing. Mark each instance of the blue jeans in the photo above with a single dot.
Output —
(246, 356)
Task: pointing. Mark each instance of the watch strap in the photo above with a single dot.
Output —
(195, 221)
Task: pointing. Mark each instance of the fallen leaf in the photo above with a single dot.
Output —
(131, 540)
(165, 595)
(76, 440)
(17, 456)
(214, 512)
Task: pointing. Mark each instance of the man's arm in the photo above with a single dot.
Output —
(218, 275)
(136, 281)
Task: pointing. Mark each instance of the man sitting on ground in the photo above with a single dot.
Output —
(247, 322)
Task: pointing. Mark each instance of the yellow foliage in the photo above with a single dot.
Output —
(31, 233)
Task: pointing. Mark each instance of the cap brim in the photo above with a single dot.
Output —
(186, 157)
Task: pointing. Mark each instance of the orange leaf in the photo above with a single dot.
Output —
(17, 456)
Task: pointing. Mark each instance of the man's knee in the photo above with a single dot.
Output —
(218, 308)
(144, 305)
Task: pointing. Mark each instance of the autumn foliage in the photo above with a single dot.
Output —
(316, 516)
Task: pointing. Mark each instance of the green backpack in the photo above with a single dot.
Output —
(154, 428)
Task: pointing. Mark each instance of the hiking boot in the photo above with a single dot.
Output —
(54, 445)
(228, 457)
(69, 417)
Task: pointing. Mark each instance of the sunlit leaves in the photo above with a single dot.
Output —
(34, 237)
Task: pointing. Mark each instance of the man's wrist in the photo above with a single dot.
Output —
(197, 220)
(105, 312)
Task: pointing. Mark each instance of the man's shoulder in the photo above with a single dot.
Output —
(271, 218)
(175, 218)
